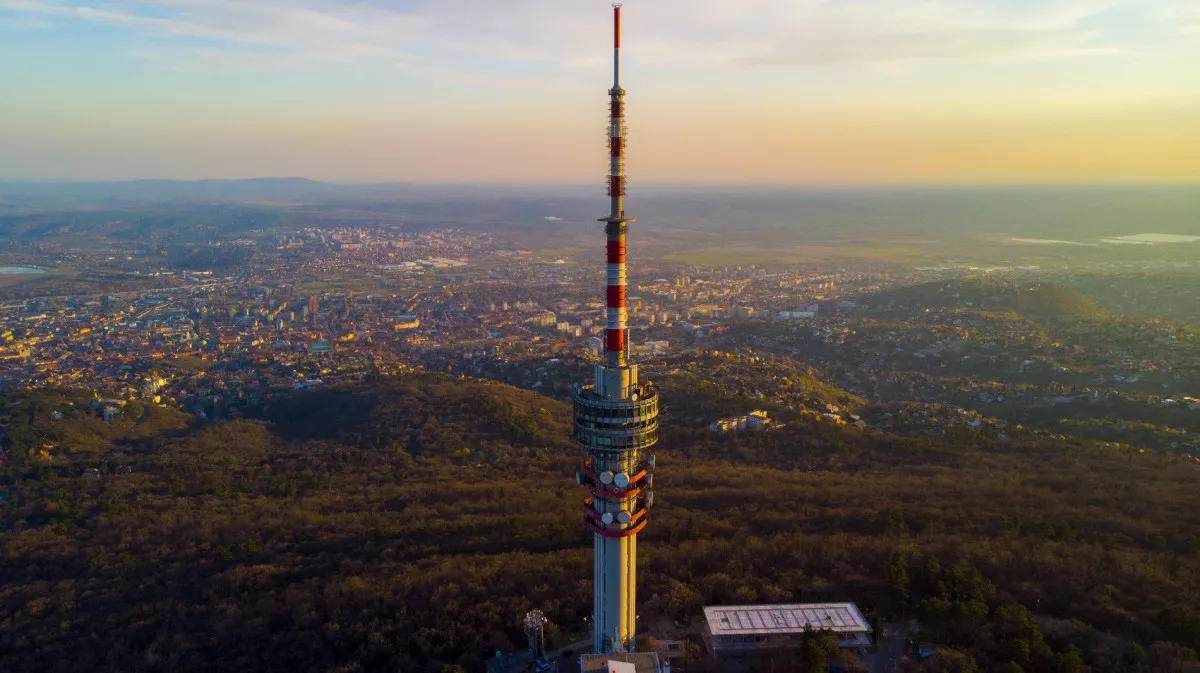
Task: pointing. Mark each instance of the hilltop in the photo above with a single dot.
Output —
(1035, 301)
(706, 387)
(1046, 301)
(429, 416)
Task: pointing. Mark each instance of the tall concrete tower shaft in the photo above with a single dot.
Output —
(616, 419)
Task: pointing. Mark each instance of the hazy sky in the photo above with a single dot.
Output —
(790, 91)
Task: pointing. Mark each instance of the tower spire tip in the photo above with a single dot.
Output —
(616, 25)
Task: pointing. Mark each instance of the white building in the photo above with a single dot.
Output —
(753, 421)
(744, 630)
(406, 321)
(660, 347)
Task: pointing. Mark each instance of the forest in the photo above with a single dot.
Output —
(407, 524)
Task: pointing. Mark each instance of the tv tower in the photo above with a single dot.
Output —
(616, 419)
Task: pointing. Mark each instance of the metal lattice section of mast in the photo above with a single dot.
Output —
(535, 622)
(616, 344)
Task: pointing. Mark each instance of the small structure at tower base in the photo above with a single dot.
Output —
(632, 662)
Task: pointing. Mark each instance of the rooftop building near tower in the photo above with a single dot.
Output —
(732, 631)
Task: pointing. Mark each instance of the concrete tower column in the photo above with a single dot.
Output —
(616, 419)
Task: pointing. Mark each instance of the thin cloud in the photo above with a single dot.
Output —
(307, 34)
(201, 59)
(1187, 21)
(566, 34)
(963, 45)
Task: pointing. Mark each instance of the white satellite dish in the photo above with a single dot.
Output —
(624, 517)
(621, 479)
(607, 518)
(606, 477)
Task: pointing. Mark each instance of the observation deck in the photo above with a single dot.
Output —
(616, 425)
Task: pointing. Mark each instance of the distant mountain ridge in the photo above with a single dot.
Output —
(795, 222)
(264, 189)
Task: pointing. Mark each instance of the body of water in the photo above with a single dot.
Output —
(1132, 239)
(18, 270)
(1152, 239)
(1049, 241)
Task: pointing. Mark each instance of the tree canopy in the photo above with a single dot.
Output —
(408, 523)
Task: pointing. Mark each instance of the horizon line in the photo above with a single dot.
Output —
(656, 184)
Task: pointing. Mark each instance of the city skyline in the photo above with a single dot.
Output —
(767, 92)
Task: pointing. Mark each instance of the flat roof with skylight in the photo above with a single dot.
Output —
(726, 620)
(738, 628)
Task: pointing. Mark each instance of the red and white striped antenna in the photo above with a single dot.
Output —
(616, 334)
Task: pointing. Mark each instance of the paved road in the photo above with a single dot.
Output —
(891, 648)
(576, 648)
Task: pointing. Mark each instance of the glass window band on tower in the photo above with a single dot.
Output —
(616, 425)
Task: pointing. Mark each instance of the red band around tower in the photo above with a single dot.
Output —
(616, 27)
(615, 340)
(616, 252)
(616, 296)
(616, 185)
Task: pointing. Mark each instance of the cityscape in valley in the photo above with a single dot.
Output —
(222, 326)
(282, 424)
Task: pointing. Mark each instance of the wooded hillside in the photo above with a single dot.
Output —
(409, 523)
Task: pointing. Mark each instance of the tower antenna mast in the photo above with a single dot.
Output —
(616, 418)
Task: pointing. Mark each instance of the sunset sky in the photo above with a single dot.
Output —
(778, 91)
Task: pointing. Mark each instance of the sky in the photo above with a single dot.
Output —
(805, 92)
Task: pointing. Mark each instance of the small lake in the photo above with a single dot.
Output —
(18, 270)
(1151, 239)
(1050, 241)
